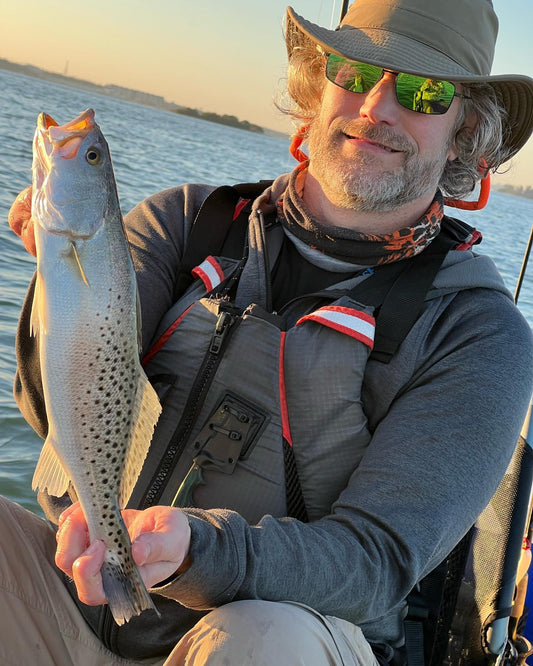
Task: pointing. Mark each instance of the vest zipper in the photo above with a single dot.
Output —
(225, 322)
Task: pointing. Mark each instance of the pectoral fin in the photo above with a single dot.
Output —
(49, 473)
(77, 261)
(38, 309)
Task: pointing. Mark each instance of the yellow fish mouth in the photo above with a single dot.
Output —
(66, 139)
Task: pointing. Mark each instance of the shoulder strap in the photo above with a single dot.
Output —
(405, 299)
(399, 289)
(219, 227)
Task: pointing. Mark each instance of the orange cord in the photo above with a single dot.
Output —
(484, 191)
(296, 142)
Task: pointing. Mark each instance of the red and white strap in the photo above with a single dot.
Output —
(355, 323)
(210, 272)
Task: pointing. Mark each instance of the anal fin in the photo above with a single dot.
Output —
(49, 473)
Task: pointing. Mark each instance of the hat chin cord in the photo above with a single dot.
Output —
(484, 191)
(297, 140)
(484, 185)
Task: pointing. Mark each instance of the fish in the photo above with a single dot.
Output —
(101, 408)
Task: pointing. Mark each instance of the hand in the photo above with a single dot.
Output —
(160, 539)
(20, 221)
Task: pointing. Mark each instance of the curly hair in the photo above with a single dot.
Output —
(305, 87)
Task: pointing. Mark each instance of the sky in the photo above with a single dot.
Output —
(226, 56)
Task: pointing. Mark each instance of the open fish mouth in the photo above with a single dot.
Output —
(66, 139)
(83, 123)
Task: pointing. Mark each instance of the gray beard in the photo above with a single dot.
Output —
(355, 186)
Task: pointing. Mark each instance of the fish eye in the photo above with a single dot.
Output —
(93, 156)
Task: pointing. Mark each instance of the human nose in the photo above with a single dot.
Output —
(380, 104)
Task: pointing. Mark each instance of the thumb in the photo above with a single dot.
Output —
(156, 558)
(153, 547)
(142, 549)
(19, 219)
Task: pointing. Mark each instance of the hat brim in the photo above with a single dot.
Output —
(400, 53)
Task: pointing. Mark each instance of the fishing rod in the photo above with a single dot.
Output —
(524, 266)
(517, 589)
(344, 9)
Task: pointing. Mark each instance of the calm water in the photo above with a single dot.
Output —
(153, 150)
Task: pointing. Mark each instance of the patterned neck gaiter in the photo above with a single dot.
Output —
(356, 247)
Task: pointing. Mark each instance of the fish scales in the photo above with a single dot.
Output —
(101, 408)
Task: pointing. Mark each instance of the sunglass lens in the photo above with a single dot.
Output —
(424, 95)
(350, 75)
(416, 93)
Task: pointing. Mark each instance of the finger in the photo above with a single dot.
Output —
(20, 220)
(137, 521)
(72, 540)
(160, 552)
(87, 577)
(68, 511)
(160, 519)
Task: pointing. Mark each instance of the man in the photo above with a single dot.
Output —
(394, 458)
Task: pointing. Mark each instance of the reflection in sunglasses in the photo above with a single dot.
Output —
(416, 93)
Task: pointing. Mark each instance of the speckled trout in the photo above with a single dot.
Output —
(101, 408)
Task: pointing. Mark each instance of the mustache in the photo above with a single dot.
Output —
(376, 133)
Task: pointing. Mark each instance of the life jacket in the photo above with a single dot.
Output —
(244, 417)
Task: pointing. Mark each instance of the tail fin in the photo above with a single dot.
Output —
(124, 588)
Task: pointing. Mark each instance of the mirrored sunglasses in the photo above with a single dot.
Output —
(415, 93)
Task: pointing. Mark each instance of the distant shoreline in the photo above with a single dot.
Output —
(515, 190)
(136, 96)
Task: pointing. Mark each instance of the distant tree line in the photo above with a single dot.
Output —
(232, 121)
(516, 190)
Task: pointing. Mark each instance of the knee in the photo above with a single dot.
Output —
(256, 632)
(237, 633)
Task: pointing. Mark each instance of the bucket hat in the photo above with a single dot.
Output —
(441, 39)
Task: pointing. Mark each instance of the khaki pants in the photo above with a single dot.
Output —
(40, 625)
